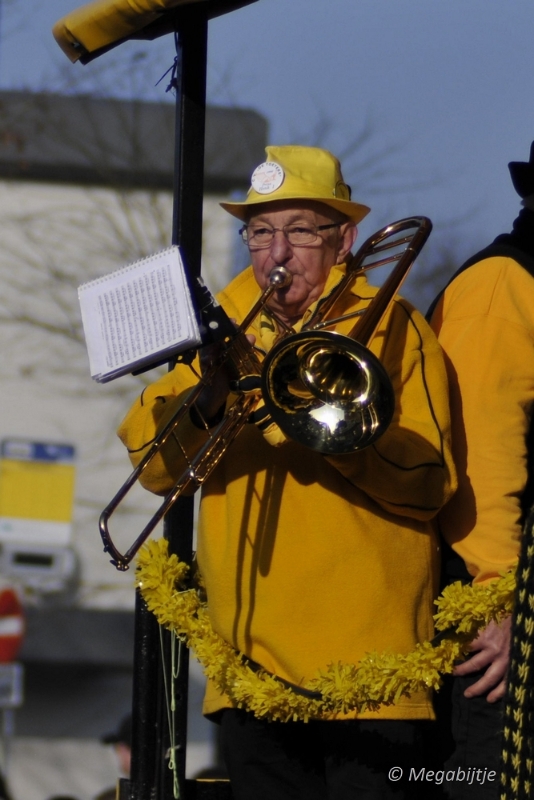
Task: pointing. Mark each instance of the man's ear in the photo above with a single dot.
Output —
(348, 233)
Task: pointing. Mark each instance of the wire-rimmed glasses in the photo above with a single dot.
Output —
(261, 236)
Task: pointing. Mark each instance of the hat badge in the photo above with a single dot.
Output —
(267, 177)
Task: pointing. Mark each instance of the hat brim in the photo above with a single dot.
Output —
(522, 174)
(354, 211)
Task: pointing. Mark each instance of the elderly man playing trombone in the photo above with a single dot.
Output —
(310, 558)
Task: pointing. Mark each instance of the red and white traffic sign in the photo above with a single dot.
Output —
(11, 625)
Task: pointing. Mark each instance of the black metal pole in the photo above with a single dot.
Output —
(192, 41)
(144, 704)
(190, 134)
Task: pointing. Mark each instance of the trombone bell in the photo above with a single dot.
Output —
(328, 392)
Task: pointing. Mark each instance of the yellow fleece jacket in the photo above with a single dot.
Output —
(308, 559)
(485, 324)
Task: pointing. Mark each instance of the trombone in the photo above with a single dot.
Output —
(324, 390)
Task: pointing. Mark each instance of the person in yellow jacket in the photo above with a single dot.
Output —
(484, 321)
(310, 559)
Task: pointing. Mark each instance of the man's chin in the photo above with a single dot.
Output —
(287, 305)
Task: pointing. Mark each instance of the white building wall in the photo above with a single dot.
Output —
(54, 237)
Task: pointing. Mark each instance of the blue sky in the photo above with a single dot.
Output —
(445, 88)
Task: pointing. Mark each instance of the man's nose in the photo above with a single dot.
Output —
(280, 248)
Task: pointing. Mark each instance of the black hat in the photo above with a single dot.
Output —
(123, 734)
(522, 174)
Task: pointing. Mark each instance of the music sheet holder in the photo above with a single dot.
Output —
(85, 34)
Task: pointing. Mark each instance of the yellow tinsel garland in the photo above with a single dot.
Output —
(379, 679)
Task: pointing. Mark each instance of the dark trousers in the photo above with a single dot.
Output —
(476, 727)
(337, 760)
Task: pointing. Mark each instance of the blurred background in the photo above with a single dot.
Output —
(424, 104)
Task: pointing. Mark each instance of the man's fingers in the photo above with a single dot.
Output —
(487, 683)
(497, 693)
(493, 680)
(473, 664)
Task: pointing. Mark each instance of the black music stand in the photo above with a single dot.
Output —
(188, 21)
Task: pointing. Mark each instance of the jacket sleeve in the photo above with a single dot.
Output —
(486, 330)
(409, 470)
(149, 414)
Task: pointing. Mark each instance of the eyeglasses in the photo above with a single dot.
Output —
(259, 236)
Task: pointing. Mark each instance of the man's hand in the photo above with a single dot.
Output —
(217, 390)
(214, 395)
(491, 649)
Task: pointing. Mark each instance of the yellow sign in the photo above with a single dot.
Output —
(36, 490)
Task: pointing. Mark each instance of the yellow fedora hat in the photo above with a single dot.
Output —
(294, 172)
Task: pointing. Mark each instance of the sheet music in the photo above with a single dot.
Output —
(138, 315)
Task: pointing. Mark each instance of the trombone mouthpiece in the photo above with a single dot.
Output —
(280, 277)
